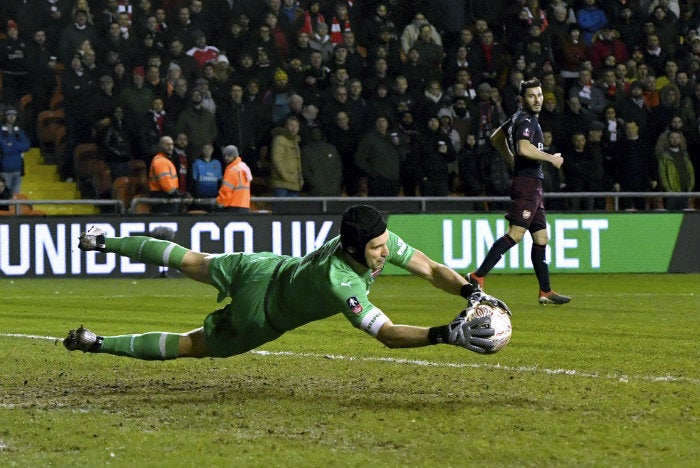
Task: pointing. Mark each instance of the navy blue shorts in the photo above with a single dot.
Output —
(527, 207)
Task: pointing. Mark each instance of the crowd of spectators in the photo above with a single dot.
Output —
(388, 97)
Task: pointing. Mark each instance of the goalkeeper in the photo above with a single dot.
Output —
(271, 294)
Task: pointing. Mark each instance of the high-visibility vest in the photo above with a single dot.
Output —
(235, 188)
(162, 175)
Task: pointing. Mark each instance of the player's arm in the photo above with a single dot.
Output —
(527, 149)
(472, 335)
(439, 275)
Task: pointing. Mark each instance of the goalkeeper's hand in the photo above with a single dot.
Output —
(480, 297)
(472, 334)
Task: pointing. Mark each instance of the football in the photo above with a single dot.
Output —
(500, 322)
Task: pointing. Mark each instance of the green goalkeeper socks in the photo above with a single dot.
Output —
(149, 346)
(147, 250)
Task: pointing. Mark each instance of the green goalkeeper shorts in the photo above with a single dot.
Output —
(241, 325)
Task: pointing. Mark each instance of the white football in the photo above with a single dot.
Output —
(500, 322)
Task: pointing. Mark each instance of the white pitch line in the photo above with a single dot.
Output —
(461, 365)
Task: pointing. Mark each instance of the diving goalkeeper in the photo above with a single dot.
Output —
(272, 294)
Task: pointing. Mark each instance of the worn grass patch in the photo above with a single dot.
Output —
(611, 379)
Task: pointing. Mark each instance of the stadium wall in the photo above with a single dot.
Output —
(580, 243)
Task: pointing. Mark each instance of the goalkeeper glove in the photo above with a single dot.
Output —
(472, 334)
(480, 297)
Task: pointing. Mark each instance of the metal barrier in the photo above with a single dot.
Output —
(118, 205)
(332, 205)
(311, 205)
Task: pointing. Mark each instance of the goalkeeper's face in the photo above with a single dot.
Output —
(376, 251)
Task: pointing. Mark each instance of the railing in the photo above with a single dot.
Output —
(325, 205)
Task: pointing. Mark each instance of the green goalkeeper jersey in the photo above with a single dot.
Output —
(301, 290)
(322, 284)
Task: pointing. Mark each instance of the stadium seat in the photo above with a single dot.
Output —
(121, 190)
(92, 173)
(47, 124)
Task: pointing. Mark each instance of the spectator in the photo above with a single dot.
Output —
(634, 109)
(234, 193)
(344, 135)
(115, 144)
(469, 165)
(202, 52)
(627, 23)
(574, 52)
(554, 181)
(178, 56)
(592, 19)
(13, 142)
(411, 32)
(237, 124)
(178, 99)
(576, 118)
(589, 95)
(41, 63)
(198, 123)
(676, 172)
(409, 153)
(416, 73)
(606, 45)
(183, 28)
(78, 89)
(378, 156)
(163, 178)
(431, 53)
(486, 114)
(277, 97)
(181, 160)
(488, 60)
(136, 98)
(14, 65)
(157, 123)
(5, 194)
(634, 167)
(436, 152)
(322, 166)
(321, 41)
(206, 174)
(583, 169)
(74, 35)
(286, 177)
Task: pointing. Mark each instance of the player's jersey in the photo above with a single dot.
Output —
(525, 126)
(322, 284)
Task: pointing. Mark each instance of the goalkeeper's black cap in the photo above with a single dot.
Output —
(360, 224)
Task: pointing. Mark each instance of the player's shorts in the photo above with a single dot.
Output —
(527, 208)
(241, 325)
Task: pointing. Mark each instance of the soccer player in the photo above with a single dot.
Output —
(526, 211)
(272, 294)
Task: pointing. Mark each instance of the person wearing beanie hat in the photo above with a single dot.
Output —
(234, 193)
(272, 293)
(13, 143)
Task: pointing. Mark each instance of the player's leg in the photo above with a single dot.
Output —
(146, 346)
(539, 263)
(151, 251)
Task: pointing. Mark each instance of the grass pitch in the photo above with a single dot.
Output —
(610, 379)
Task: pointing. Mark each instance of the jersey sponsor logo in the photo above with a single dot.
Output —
(526, 132)
(354, 304)
(527, 214)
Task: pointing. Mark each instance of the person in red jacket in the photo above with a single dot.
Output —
(234, 193)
